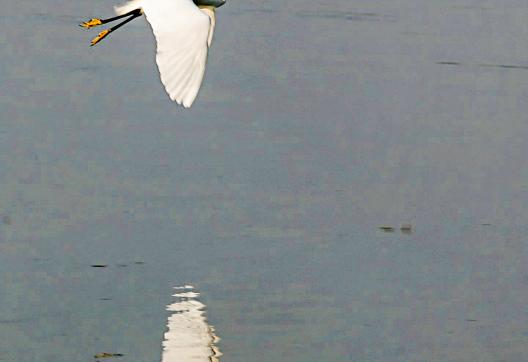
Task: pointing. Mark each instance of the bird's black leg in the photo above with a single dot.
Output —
(133, 14)
(96, 22)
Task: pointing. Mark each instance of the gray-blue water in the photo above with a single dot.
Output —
(317, 123)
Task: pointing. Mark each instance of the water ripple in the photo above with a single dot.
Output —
(503, 66)
(350, 16)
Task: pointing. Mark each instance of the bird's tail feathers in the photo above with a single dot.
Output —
(128, 7)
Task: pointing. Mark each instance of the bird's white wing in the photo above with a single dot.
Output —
(182, 33)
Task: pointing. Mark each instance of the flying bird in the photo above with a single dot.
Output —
(183, 30)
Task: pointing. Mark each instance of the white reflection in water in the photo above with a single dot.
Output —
(189, 336)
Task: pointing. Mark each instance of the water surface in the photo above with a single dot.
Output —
(318, 122)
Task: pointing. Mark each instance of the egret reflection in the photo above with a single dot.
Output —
(189, 337)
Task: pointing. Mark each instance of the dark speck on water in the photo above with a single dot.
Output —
(505, 66)
(448, 63)
(406, 228)
(387, 229)
(6, 220)
(98, 265)
(107, 355)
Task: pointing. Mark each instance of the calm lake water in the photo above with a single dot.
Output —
(318, 122)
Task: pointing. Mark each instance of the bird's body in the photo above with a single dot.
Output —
(183, 30)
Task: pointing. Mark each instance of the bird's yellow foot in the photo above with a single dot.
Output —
(100, 36)
(91, 23)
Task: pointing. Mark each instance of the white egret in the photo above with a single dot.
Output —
(183, 30)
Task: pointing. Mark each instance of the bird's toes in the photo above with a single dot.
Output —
(100, 37)
(91, 23)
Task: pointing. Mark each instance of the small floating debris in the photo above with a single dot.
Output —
(387, 229)
(98, 265)
(122, 265)
(406, 228)
(448, 63)
(107, 355)
(139, 262)
(105, 298)
(471, 320)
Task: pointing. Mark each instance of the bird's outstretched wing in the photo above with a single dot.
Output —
(182, 34)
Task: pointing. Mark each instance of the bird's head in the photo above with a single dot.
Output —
(215, 3)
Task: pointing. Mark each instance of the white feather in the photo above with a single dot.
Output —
(210, 12)
(183, 35)
(128, 7)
